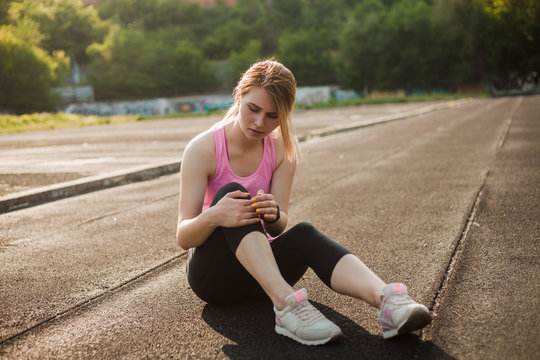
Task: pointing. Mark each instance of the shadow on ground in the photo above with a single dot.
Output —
(251, 327)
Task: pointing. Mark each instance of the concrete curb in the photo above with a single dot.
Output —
(379, 120)
(67, 189)
(85, 185)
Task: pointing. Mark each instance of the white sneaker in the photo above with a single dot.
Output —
(399, 314)
(302, 322)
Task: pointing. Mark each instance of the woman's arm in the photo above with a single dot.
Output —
(193, 228)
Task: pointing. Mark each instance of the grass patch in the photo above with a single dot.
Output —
(391, 100)
(49, 121)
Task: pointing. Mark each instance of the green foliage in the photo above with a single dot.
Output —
(151, 15)
(26, 74)
(24, 27)
(324, 14)
(389, 47)
(412, 44)
(307, 54)
(362, 43)
(65, 25)
(47, 121)
(4, 9)
(240, 61)
(230, 37)
(146, 48)
(516, 27)
(134, 63)
(461, 52)
(127, 12)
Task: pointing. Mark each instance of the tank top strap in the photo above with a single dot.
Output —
(269, 156)
(221, 150)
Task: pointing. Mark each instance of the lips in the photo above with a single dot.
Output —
(255, 132)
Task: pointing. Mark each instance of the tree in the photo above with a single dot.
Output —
(231, 36)
(134, 63)
(407, 60)
(127, 12)
(240, 61)
(66, 25)
(307, 54)
(4, 8)
(516, 37)
(460, 53)
(27, 74)
(413, 44)
(362, 44)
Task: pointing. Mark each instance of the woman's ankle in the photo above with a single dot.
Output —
(278, 299)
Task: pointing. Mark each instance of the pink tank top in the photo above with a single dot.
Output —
(260, 179)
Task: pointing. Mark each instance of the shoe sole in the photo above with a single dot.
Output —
(417, 319)
(282, 331)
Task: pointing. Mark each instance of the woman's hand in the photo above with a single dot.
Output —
(234, 210)
(265, 205)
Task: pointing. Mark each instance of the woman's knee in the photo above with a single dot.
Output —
(301, 235)
(227, 188)
(232, 186)
(304, 228)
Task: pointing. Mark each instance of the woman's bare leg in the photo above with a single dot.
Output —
(352, 277)
(255, 254)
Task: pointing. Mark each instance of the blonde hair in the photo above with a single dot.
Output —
(280, 84)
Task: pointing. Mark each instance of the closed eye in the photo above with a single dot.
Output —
(256, 109)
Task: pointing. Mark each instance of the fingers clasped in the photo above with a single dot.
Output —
(265, 205)
(235, 210)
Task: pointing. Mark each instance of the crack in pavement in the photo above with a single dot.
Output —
(455, 258)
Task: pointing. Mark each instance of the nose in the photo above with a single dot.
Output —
(259, 120)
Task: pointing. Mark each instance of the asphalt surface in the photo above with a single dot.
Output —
(33, 160)
(446, 202)
(492, 293)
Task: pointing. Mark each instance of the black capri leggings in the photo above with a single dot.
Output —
(217, 277)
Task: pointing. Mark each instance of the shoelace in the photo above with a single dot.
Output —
(307, 312)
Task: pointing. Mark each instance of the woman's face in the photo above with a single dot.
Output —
(258, 115)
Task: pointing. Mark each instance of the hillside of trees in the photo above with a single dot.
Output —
(146, 48)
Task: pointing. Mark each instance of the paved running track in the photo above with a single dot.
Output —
(447, 202)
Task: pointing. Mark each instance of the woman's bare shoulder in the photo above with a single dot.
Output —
(201, 145)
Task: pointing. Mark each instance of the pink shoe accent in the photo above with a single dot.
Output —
(386, 319)
(387, 314)
(398, 289)
(299, 296)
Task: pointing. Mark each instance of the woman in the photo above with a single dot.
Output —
(236, 180)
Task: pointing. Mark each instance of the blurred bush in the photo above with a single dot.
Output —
(144, 48)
